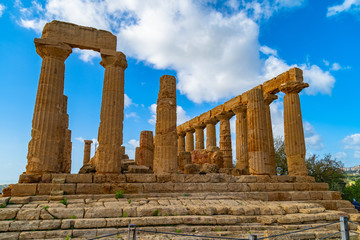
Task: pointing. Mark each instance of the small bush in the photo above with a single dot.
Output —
(73, 217)
(119, 194)
(178, 230)
(156, 213)
(3, 205)
(124, 214)
(46, 207)
(64, 201)
(129, 201)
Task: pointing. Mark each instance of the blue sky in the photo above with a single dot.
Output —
(216, 50)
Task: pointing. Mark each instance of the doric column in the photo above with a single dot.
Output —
(211, 132)
(293, 128)
(65, 142)
(242, 157)
(46, 136)
(110, 134)
(189, 147)
(225, 137)
(269, 98)
(181, 142)
(258, 146)
(165, 159)
(146, 149)
(87, 151)
(199, 135)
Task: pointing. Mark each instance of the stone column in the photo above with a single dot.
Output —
(242, 157)
(225, 138)
(146, 149)
(65, 142)
(46, 136)
(110, 134)
(269, 98)
(137, 151)
(181, 142)
(87, 151)
(189, 147)
(211, 132)
(258, 146)
(293, 128)
(199, 135)
(165, 156)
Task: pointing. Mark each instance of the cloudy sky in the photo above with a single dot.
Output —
(216, 50)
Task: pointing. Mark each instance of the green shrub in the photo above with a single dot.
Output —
(64, 201)
(119, 194)
(124, 214)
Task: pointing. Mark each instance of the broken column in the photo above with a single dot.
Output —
(110, 134)
(146, 149)
(269, 98)
(225, 138)
(210, 132)
(44, 147)
(242, 157)
(293, 128)
(258, 146)
(87, 151)
(199, 135)
(165, 157)
(65, 139)
(181, 141)
(189, 147)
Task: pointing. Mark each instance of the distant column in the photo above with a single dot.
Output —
(211, 132)
(44, 147)
(242, 157)
(165, 159)
(199, 135)
(110, 134)
(181, 142)
(87, 151)
(225, 137)
(258, 146)
(293, 128)
(66, 145)
(189, 139)
(269, 98)
(146, 149)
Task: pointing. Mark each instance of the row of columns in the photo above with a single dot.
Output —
(255, 153)
(48, 150)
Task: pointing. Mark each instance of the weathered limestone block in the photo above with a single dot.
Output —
(225, 138)
(293, 128)
(79, 178)
(8, 213)
(212, 155)
(23, 189)
(44, 152)
(183, 159)
(102, 212)
(146, 149)
(258, 146)
(109, 153)
(30, 178)
(138, 169)
(209, 168)
(28, 214)
(125, 163)
(79, 36)
(165, 156)
(242, 157)
(87, 169)
(191, 169)
(90, 223)
(93, 188)
(87, 151)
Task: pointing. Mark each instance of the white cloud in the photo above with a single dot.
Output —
(312, 139)
(327, 63)
(131, 115)
(2, 9)
(80, 139)
(277, 118)
(128, 101)
(352, 141)
(340, 155)
(268, 51)
(134, 143)
(130, 148)
(87, 55)
(181, 115)
(320, 81)
(346, 6)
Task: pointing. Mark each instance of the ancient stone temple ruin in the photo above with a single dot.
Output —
(179, 172)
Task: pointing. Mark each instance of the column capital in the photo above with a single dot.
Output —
(293, 87)
(241, 108)
(199, 125)
(213, 121)
(117, 60)
(88, 141)
(59, 50)
(190, 130)
(269, 98)
(225, 115)
(181, 134)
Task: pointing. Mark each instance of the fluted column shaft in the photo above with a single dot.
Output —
(211, 132)
(242, 157)
(110, 134)
(293, 128)
(165, 159)
(181, 142)
(269, 98)
(65, 140)
(44, 152)
(225, 138)
(258, 146)
(146, 149)
(87, 151)
(199, 135)
(189, 147)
